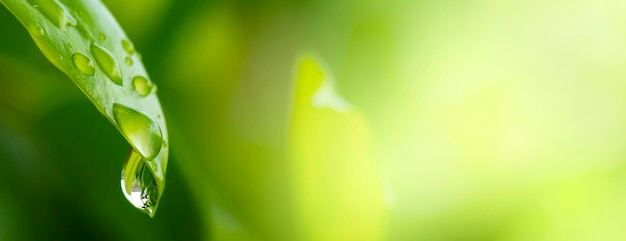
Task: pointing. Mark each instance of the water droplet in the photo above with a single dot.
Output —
(36, 31)
(128, 61)
(55, 11)
(138, 183)
(102, 37)
(109, 65)
(84, 64)
(141, 131)
(142, 85)
(128, 46)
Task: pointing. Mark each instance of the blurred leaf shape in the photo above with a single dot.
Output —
(337, 187)
(83, 40)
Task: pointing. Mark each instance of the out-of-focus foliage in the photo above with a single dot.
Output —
(469, 120)
(331, 173)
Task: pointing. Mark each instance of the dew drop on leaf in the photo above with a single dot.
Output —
(36, 31)
(138, 183)
(107, 63)
(102, 37)
(55, 11)
(128, 46)
(141, 131)
(128, 61)
(84, 64)
(142, 85)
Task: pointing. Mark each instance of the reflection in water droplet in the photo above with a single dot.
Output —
(138, 183)
(142, 85)
(102, 37)
(84, 64)
(109, 65)
(128, 61)
(141, 131)
(128, 46)
(36, 31)
(55, 11)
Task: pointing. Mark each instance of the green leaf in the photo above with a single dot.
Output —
(83, 40)
(338, 190)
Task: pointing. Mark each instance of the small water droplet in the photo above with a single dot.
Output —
(128, 61)
(55, 11)
(102, 37)
(36, 31)
(128, 46)
(141, 131)
(84, 64)
(142, 85)
(138, 183)
(109, 65)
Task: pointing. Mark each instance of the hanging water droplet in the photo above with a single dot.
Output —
(36, 31)
(128, 61)
(55, 11)
(107, 62)
(102, 37)
(84, 64)
(138, 183)
(142, 85)
(128, 46)
(141, 131)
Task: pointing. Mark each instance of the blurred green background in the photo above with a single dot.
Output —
(470, 120)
